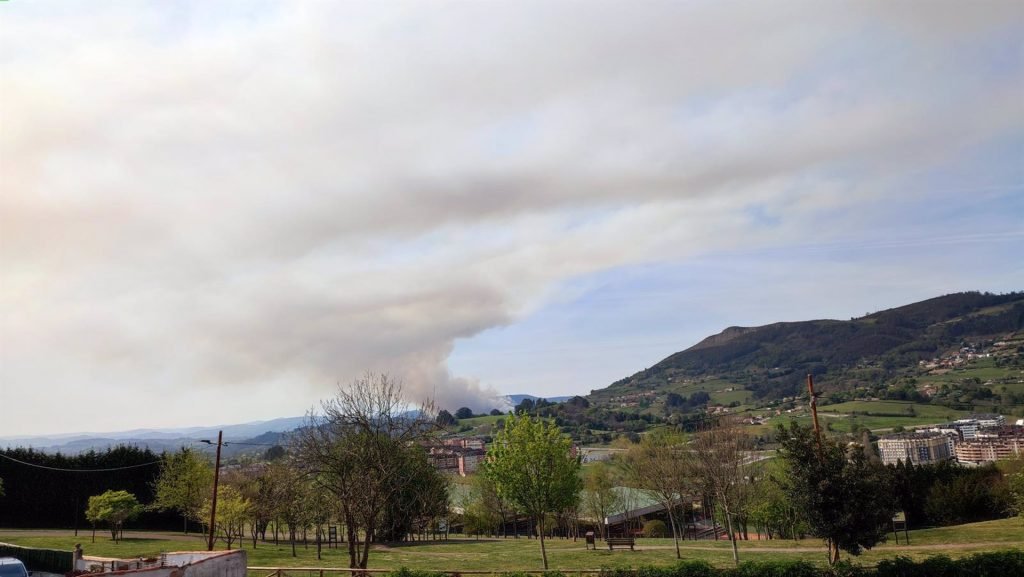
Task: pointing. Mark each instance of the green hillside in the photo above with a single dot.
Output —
(869, 355)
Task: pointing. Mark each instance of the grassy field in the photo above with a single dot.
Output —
(523, 554)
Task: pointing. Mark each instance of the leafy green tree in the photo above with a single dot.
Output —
(113, 508)
(600, 499)
(845, 499)
(464, 413)
(769, 508)
(184, 485)
(445, 419)
(533, 465)
(232, 512)
(1017, 492)
(420, 499)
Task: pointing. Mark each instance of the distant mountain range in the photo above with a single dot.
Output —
(156, 439)
(773, 360)
(252, 435)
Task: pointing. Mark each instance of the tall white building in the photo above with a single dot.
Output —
(917, 448)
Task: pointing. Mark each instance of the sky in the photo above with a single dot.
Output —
(219, 212)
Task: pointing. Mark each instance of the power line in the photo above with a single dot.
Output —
(106, 470)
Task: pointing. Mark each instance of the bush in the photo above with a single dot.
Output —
(406, 572)
(691, 569)
(655, 528)
(993, 564)
(775, 569)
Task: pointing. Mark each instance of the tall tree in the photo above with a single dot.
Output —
(600, 499)
(232, 512)
(357, 449)
(719, 450)
(660, 466)
(533, 465)
(184, 484)
(113, 508)
(846, 500)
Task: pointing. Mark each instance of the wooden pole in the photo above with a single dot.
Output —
(216, 481)
(814, 410)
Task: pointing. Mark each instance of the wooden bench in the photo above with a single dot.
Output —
(621, 542)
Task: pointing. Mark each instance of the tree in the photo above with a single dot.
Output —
(464, 413)
(274, 453)
(845, 499)
(419, 502)
(719, 451)
(659, 466)
(357, 449)
(232, 512)
(600, 499)
(496, 412)
(484, 510)
(445, 419)
(533, 465)
(1017, 492)
(768, 506)
(113, 508)
(289, 497)
(184, 484)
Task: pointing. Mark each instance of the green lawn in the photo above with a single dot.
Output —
(523, 554)
(894, 408)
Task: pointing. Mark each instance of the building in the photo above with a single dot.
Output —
(1003, 443)
(971, 424)
(460, 456)
(917, 448)
(987, 420)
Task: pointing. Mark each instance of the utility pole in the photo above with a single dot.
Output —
(216, 480)
(814, 410)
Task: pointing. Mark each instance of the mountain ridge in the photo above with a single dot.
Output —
(772, 360)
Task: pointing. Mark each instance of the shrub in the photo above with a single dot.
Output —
(993, 564)
(406, 572)
(655, 528)
(776, 569)
(618, 572)
(691, 569)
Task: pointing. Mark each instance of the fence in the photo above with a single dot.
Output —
(328, 571)
(46, 560)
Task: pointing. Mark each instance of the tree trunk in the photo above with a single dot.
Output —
(732, 537)
(366, 548)
(352, 544)
(543, 551)
(675, 531)
(833, 552)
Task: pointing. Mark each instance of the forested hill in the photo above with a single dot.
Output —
(772, 360)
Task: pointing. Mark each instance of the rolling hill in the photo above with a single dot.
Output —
(771, 362)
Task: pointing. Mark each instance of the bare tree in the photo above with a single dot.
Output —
(720, 451)
(660, 466)
(355, 447)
